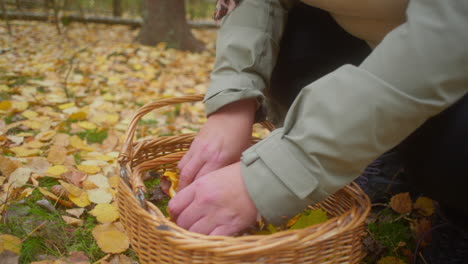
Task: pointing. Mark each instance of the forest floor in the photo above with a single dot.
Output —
(65, 103)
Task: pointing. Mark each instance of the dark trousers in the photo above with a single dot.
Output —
(435, 155)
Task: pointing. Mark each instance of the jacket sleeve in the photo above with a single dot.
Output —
(246, 52)
(340, 123)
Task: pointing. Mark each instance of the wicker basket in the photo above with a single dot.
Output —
(157, 240)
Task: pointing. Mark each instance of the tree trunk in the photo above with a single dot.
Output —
(5, 17)
(164, 21)
(117, 8)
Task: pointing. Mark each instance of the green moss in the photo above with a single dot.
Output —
(93, 135)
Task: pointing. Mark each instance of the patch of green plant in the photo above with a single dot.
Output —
(93, 135)
(47, 182)
(83, 240)
(15, 130)
(5, 96)
(41, 89)
(150, 184)
(391, 233)
(77, 158)
(148, 122)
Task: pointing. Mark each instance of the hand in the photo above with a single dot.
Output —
(220, 142)
(216, 204)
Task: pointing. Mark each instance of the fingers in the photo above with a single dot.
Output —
(224, 230)
(179, 202)
(190, 215)
(193, 166)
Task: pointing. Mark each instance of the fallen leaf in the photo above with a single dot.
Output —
(55, 197)
(19, 177)
(10, 243)
(25, 152)
(99, 196)
(310, 218)
(81, 201)
(114, 181)
(71, 189)
(8, 257)
(401, 203)
(57, 155)
(422, 227)
(76, 212)
(390, 260)
(105, 213)
(99, 180)
(87, 125)
(78, 116)
(8, 165)
(46, 135)
(29, 114)
(88, 169)
(72, 221)
(38, 165)
(424, 206)
(56, 171)
(74, 177)
(110, 239)
(80, 144)
(5, 105)
(62, 140)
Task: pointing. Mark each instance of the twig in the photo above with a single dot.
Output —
(102, 259)
(34, 230)
(422, 257)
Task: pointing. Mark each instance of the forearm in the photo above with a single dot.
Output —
(342, 122)
(247, 48)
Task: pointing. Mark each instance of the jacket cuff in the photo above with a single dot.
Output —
(219, 95)
(279, 185)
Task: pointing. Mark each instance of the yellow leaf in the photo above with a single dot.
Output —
(72, 221)
(81, 201)
(29, 114)
(10, 243)
(88, 169)
(25, 152)
(48, 194)
(424, 206)
(105, 213)
(78, 116)
(46, 136)
(114, 181)
(87, 125)
(390, 260)
(174, 179)
(104, 158)
(99, 196)
(110, 239)
(20, 106)
(56, 171)
(36, 125)
(4, 88)
(78, 143)
(89, 185)
(65, 106)
(71, 189)
(112, 118)
(5, 105)
(34, 144)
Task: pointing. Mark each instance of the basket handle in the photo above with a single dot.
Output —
(127, 147)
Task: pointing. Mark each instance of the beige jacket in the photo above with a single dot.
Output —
(340, 123)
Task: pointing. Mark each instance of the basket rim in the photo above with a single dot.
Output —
(228, 245)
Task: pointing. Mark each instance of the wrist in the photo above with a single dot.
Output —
(243, 110)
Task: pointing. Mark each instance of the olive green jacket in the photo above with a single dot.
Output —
(340, 123)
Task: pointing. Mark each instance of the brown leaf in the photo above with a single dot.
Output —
(57, 155)
(38, 165)
(74, 177)
(390, 260)
(72, 221)
(7, 165)
(62, 140)
(401, 203)
(110, 143)
(8, 257)
(77, 257)
(421, 227)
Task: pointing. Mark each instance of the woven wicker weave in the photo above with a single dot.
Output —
(158, 240)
